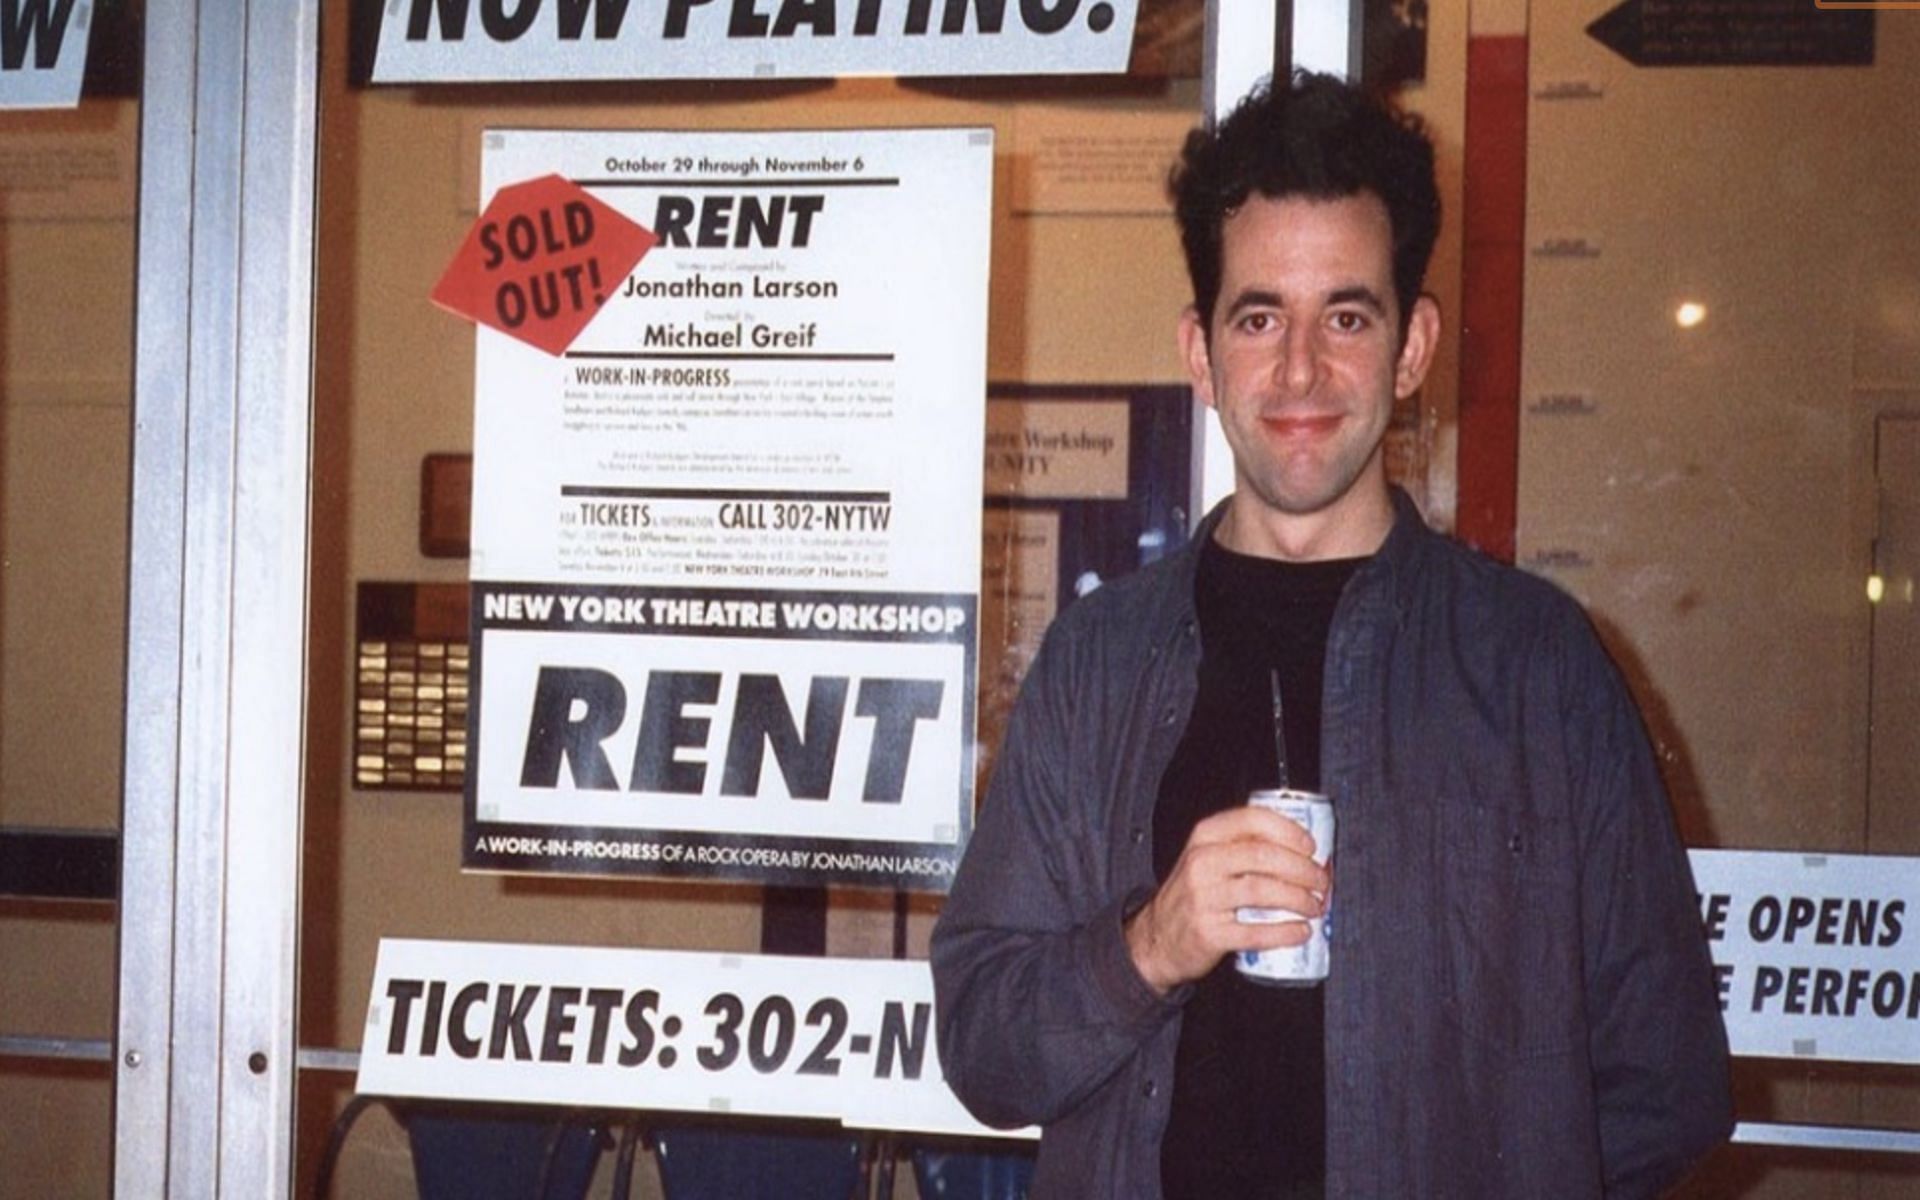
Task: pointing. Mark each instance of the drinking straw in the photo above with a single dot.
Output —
(1279, 729)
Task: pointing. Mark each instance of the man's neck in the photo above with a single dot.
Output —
(1353, 528)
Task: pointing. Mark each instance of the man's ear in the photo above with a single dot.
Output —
(1194, 352)
(1416, 349)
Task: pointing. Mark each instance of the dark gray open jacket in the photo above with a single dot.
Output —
(1521, 1001)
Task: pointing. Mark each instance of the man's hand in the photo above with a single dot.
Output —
(1244, 857)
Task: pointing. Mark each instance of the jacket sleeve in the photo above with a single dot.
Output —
(1658, 1046)
(1037, 1001)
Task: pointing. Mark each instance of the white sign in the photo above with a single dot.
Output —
(839, 1039)
(434, 41)
(726, 546)
(43, 52)
(1817, 954)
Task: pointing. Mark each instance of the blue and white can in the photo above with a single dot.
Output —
(1304, 965)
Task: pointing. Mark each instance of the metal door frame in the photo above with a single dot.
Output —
(216, 631)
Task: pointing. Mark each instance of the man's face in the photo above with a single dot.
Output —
(1303, 365)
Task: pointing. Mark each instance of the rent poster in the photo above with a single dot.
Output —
(726, 534)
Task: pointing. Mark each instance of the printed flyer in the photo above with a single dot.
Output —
(726, 536)
(1811, 955)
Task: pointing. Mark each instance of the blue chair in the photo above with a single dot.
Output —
(474, 1152)
(710, 1163)
(498, 1154)
(969, 1175)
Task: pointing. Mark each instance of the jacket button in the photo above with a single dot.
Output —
(1152, 1089)
(1138, 835)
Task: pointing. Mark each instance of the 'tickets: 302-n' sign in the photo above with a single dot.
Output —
(630, 1028)
(847, 1039)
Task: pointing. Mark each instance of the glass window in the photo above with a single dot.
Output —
(68, 186)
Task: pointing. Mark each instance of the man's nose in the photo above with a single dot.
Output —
(1300, 366)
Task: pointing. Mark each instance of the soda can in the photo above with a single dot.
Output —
(1304, 965)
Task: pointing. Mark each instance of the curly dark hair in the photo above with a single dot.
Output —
(1320, 138)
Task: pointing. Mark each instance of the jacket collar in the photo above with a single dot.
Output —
(1394, 563)
(1399, 556)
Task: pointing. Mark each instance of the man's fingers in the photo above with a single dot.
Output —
(1248, 822)
(1254, 891)
(1282, 936)
(1228, 866)
(1212, 898)
(1222, 932)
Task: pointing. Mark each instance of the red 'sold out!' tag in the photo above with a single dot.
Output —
(540, 262)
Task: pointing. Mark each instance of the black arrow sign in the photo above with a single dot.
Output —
(1735, 33)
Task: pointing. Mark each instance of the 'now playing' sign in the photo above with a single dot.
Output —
(498, 40)
(43, 52)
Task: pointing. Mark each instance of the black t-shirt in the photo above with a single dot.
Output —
(1249, 1089)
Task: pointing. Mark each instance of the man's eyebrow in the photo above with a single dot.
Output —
(1255, 298)
(1359, 294)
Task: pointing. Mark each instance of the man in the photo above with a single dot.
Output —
(1520, 1002)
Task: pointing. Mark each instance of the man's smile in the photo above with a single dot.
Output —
(1301, 425)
